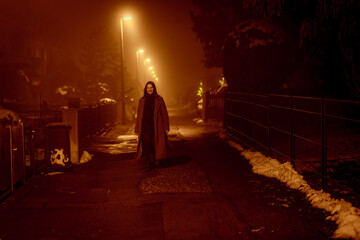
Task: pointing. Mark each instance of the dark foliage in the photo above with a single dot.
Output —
(317, 52)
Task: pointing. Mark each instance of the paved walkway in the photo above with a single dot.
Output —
(205, 190)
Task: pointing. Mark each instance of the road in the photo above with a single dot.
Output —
(204, 190)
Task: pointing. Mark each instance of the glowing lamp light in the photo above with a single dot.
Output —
(148, 59)
(157, 79)
(150, 68)
(200, 92)
(127, 18)
(141, 51)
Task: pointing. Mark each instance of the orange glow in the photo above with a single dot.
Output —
(141, 51)
(127, 18)
(148, 59)
(150, 68)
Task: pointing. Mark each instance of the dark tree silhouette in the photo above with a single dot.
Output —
(319, 53)
(101, 64)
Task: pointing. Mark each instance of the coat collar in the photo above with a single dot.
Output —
(157, 103)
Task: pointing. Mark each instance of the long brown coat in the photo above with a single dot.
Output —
(161, 127)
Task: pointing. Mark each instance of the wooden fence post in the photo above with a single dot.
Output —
(205, 106)
(323, 147)
(292, 140)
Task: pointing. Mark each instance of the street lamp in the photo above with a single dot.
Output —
(137, 64)
(147, 60)
(122, 85)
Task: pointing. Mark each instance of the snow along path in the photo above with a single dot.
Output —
(346, 216)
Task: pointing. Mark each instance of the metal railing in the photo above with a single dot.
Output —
(307, 131)
(213, 106)
(23, 146)
(12, 159)
(93, 119)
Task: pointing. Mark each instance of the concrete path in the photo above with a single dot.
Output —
(205, 190)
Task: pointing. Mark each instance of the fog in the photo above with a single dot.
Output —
(161, 28)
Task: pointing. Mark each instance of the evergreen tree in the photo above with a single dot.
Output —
(101, 65)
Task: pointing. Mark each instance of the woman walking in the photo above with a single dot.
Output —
(152, 126)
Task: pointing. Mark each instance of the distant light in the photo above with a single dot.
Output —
(157, 79)
(127, 18)
(152, 71)
(148, 59)
(141, 51)
(150, 68)
(154, 75)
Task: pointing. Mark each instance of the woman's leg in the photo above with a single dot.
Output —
(148, 149)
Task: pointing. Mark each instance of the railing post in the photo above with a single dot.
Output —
(323, 147)
(268, 125)
(292, 141)
(71, 117)
(23, 151)
(11, 159)
(205, 107)
(252, 117)
(225, 105)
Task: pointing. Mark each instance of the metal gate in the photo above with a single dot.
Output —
(12, 161)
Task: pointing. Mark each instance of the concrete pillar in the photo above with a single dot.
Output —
(70, 117)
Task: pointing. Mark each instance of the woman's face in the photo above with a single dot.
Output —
(149, 89)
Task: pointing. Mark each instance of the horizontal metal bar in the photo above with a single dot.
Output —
(308, 140)
(304, 97)
(252, 139)
(5, 194)
(280, 130)
(305, 111)
(278, 95)
(315, 113)
(249, 120)
(277, 106)
(250, 94)
(341, 100)
(297, 136)
(239, 139)
(242, 101)
(342, 118)
(282, 154)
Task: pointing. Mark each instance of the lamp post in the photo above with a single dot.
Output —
(145, 68)
(122, 84)
(137, 65)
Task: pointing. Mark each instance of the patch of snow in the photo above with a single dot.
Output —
(54, 173)
(86, 157)
(127, 137)
(8, 115)
(346, 216)
(198, 120)
(64, 90)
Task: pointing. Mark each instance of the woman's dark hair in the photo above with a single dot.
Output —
(153, 84)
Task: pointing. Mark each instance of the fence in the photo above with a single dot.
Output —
(12, 161)
(93, 119)
(320, 136)
(23, 146)
(213, 106)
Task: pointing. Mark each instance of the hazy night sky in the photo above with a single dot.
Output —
(162, 28)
